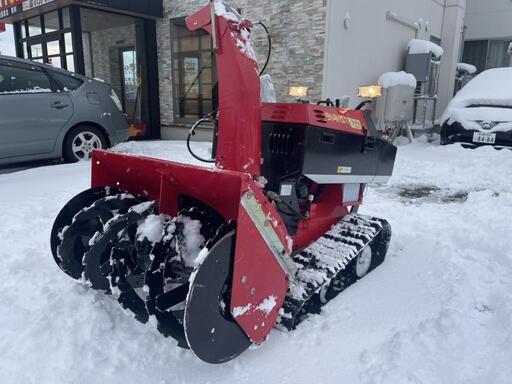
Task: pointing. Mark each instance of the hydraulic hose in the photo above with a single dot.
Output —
(269, 47)
(191, 133)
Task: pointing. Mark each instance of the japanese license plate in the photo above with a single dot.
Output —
(484, 138)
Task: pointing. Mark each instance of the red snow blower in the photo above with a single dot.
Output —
(219, 256)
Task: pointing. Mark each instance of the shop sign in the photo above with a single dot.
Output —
(5, 4)
(29, 4)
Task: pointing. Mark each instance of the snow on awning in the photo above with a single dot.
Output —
(417, 46)
(468, 68)
(392, 79)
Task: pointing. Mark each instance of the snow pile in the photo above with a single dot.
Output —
(194, 241)
(167, 150)
(393, 79)
(227, 12)
(268, 92)
(417, 46)
(151, 229)
(439, 310)
(240, 311)
(488, 91)
(242, 39)
(468, 68)
(268, 305)
(243, 42)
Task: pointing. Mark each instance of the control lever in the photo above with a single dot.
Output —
(369, 143)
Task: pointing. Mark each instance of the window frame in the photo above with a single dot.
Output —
(177, 56)
(25, 40)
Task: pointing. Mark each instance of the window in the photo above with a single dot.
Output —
(51, 22)
(34, 26)
(193, 72)
(23, 79)
(487, 54)
(48, 39)
(68, 83)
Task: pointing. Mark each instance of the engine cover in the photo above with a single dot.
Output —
(327, 145)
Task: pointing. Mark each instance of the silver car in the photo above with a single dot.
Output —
(47, 113)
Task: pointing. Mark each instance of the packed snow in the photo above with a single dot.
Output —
(226, 11)
(193, 241)
(268, 305)
(28, 90)
(243, 37)
(487, 97)
(468, 68)
(417, 46)
(393, 79)
(151, 229)
(439, 310)
(268, 92)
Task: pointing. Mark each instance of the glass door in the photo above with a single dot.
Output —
(130, 83)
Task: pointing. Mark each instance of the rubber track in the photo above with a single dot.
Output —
(324, 261)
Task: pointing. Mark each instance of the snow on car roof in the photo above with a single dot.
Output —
(493, 86)
(490, 88)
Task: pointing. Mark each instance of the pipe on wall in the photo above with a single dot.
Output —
(402, 20)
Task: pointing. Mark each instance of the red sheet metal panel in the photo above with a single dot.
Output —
(259, 281)
(239, 95)
(345, 120)
(2, 27)
(166, 181)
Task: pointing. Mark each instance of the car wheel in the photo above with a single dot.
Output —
(81, 141)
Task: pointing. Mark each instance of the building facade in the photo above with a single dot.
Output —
(488, 35)
(164, 73)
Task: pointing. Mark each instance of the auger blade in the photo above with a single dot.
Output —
(85, 225)
(113, 262)
(69, 211)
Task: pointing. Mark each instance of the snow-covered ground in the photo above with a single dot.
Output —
(438, 311)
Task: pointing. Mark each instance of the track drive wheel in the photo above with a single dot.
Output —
(212, 333)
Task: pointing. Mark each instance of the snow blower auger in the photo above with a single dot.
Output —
(219, 256)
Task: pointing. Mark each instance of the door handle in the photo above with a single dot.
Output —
(59, 105)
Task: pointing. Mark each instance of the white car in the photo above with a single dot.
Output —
(481, 113)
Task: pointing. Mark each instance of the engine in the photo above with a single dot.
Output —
(306, 147)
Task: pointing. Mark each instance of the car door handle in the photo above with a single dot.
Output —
(59, 105)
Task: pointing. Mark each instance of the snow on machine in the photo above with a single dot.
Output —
(219, 256)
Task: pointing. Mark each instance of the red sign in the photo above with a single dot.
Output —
(2, 27)
(4, 4)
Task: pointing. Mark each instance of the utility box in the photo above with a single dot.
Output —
(419, 65)
(398, 104)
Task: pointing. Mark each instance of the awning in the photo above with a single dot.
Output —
(25, 9)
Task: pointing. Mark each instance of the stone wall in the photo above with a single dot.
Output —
(298, 35)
